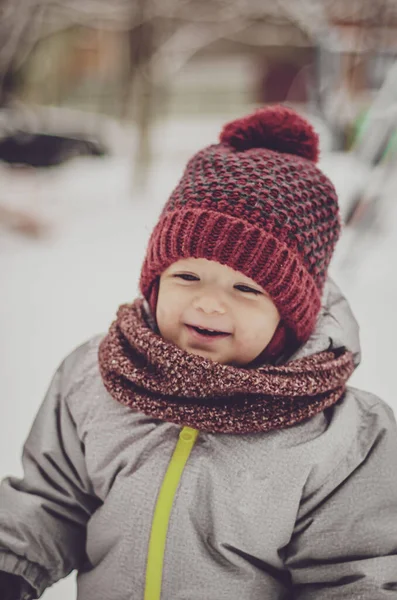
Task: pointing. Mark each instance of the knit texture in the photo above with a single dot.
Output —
(257, 203)
(145, 372)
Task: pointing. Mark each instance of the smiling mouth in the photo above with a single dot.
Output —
(210, 333)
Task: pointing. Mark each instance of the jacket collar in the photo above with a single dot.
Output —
(336, 327)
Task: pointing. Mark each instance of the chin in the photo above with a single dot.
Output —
(205, 354)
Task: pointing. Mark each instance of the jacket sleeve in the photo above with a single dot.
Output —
(345, 541)
(43, 516)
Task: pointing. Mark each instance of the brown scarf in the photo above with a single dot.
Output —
(145, 372)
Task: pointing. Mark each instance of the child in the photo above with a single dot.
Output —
(207, 447)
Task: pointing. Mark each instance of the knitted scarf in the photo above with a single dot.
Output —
(151, 375)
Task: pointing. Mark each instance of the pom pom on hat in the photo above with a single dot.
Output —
(275, 128)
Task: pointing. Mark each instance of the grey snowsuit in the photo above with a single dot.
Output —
(308, 512)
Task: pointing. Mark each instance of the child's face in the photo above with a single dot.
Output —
(199, 293)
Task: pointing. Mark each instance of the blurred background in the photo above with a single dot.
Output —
(101, 105)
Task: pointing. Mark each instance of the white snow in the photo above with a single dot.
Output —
(58, 291)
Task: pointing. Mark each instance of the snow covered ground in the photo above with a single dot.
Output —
(58, 291)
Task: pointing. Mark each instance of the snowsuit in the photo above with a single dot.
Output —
(307, 512)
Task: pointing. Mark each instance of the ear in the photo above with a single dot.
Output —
(153, 297)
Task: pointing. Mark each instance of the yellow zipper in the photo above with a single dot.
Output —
(162, 512)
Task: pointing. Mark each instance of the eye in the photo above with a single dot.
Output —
(248, 290)
(186, 276)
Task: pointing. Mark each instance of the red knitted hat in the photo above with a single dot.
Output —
(257, 203)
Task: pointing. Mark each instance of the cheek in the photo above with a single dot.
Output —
(254, 339)
(258, 327)
(164, 317)
(168, 311)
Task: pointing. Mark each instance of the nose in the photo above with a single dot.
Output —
(209, 304)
